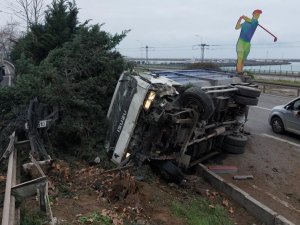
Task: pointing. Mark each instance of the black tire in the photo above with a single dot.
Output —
(196, 98)
(277, 125)
(248, 91)
(245, 100)
(239, 141)
(233, 149)
(170, 172)
(253, 85)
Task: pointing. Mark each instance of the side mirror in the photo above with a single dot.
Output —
(288, 107)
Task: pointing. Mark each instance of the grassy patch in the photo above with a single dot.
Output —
(65, 190)
(203, 65)
(200, 211)
(95, 219)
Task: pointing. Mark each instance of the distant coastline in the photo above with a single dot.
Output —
(256, 63)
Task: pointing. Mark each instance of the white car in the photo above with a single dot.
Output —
(286, 117)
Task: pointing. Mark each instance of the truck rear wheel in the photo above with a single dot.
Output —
(245, 100)
(248, 91)
(234, 144)
(233, 149)
(197, 99)
(240, 140)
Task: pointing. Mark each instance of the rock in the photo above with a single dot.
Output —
(141, 221)
(97, 160)
(32, 170)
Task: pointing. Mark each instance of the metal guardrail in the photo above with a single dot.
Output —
(272, 84)
(8, 216)
(39, 186)
(267, 72)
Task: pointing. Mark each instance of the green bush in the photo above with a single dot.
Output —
(203, 65)
(75, 72)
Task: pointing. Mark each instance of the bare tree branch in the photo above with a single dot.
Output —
(29, 11)
(8, 37)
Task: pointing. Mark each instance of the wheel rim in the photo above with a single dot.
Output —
(277, 127)
(195, 104)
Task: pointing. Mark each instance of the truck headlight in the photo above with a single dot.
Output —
(149, 100)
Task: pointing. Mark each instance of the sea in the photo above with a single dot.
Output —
(293, 67)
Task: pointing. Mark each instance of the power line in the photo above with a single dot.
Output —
(219, 47)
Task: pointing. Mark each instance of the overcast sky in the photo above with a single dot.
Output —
(173, 28)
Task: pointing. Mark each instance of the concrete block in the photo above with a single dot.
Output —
(260, 211)
(223, 169)
(280, 220)
(254, 207)
(215, 180)
(235, 193)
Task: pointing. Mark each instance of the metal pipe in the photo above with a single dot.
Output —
(217, 131)
(221, 91)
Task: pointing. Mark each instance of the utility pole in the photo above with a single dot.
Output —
(202, 51)
(147, 59)
(202, 47)
(148, 48)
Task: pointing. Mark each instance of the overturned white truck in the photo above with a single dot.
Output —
(177, 119)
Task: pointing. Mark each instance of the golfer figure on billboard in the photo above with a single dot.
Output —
(243, 45)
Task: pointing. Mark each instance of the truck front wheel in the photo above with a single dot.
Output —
(197, 99)
(170, 172)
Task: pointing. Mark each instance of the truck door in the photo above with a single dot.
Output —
(118, 110)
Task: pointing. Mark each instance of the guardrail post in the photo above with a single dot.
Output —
(9, 200)
(298, 91)
(264, 88)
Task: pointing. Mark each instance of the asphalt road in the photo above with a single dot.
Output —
(258, 119)
(271, 159)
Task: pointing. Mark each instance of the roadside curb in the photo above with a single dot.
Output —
(254, 207)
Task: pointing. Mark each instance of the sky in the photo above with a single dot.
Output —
(175, 28)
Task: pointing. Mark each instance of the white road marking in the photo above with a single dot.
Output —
(282, 202)
(261, 108)
(283, 140)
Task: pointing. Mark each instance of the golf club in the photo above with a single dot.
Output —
(275, 38)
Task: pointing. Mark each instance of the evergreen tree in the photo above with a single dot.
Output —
(73, 67)
(60, 25)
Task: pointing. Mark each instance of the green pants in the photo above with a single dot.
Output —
(242, 49)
